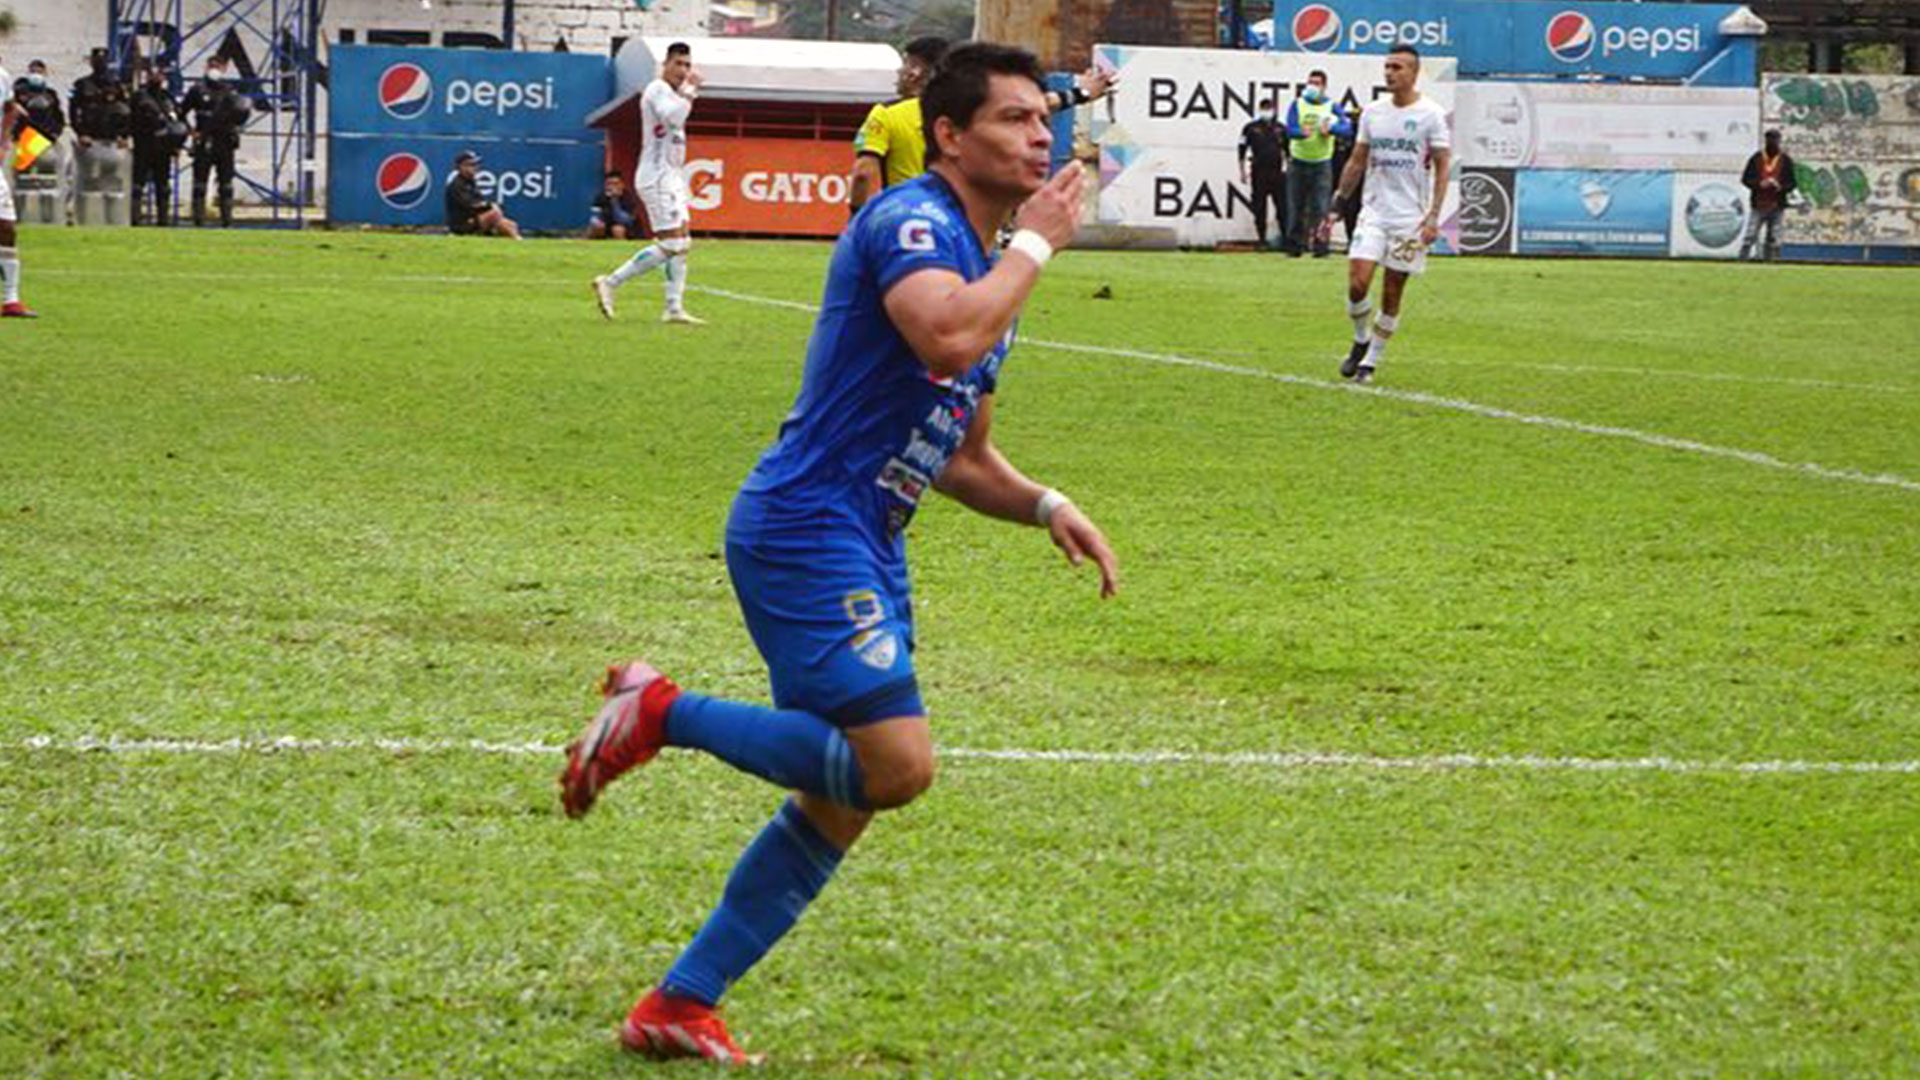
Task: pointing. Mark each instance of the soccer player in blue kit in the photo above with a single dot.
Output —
(896, 399)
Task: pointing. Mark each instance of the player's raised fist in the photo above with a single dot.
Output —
(1054, 210)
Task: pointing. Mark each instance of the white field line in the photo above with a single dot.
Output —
(1635, 372)
(1492, 412)
(1283, 760)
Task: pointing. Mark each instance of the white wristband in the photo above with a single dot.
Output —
(1050, 503)
(1032, 245)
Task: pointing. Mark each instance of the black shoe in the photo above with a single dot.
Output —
(1352, 363)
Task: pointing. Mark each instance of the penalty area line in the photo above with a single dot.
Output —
(1276, 760)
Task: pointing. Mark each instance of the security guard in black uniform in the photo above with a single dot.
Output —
(158, 133)
(1264, 141)
(218, 112)
(101, 111)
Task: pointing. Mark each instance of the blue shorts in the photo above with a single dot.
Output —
(836, 633)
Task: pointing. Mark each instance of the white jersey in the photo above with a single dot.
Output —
(663, 132)
(6, 130)
(1400, 143)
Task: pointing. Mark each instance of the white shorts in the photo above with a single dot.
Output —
(1396, 249)
(666, 199)
(6, 195)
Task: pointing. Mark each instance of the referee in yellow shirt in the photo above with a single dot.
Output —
(892, 145)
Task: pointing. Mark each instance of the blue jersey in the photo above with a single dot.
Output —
(872, 427)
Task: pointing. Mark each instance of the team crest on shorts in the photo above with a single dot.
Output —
(876, 648)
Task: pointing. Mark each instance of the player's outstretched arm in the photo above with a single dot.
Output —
(950, 322)
(980, 478)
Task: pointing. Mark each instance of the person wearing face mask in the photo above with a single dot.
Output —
(218, 112)
(1313, 123)
(1263, 164)
(40, 102)
(157, 136)
(40, 110)
(101, 110)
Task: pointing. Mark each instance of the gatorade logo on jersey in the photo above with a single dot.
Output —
(1316, 28)
(405, 91)
(1570, 37)
(402, 181)
(916, 234)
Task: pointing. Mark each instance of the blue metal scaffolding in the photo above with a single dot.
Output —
(274, 47)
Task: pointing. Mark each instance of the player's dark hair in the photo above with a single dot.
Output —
(1270, 103)
(1316, 73)
(1404, 48)
(613, 174)
(679, 48)
(960, 86)
(928, 50)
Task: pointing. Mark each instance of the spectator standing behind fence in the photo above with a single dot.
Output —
(1769, 177)
(101, 111)
(1313, 123)
(614, 214)
(1264, 141)
(158, 134)
(219, 112)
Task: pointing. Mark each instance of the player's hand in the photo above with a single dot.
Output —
(1323, 232)
(1098, 83)
(1054, 210)
(1079, 539)
(695, 80)
(1429, 232)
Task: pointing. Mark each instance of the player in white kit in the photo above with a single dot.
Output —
(10, 117)
(1404, 151)
(662, 186)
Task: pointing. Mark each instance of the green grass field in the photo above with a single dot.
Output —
(351, 487)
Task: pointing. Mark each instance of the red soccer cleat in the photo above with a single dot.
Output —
(14, 309)
(627, 732)
(664, 1027)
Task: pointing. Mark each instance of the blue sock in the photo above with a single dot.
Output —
(780, 873)
(786, 746)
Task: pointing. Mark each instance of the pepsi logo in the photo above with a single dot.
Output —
(1570, 37)
(405, 91)
(402, 181)
(1316, 28)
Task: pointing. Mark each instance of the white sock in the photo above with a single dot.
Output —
(643, 260)
(1361, 312)
(10, 269)
(676, 281)
(1383, 328)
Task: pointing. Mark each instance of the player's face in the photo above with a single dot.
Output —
(1007, 146)
(675, 71)
(1401, 70)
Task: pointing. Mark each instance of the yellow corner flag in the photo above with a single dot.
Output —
(28, 148)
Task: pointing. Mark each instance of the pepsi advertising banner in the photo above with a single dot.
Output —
(1578, 212)
(547, 187)
(398, 116)
(1532, 38)
(381, 90)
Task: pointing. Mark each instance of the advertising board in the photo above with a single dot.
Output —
(1585, 212)
(1538, 38)
(391, 180)
(1168, 143)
